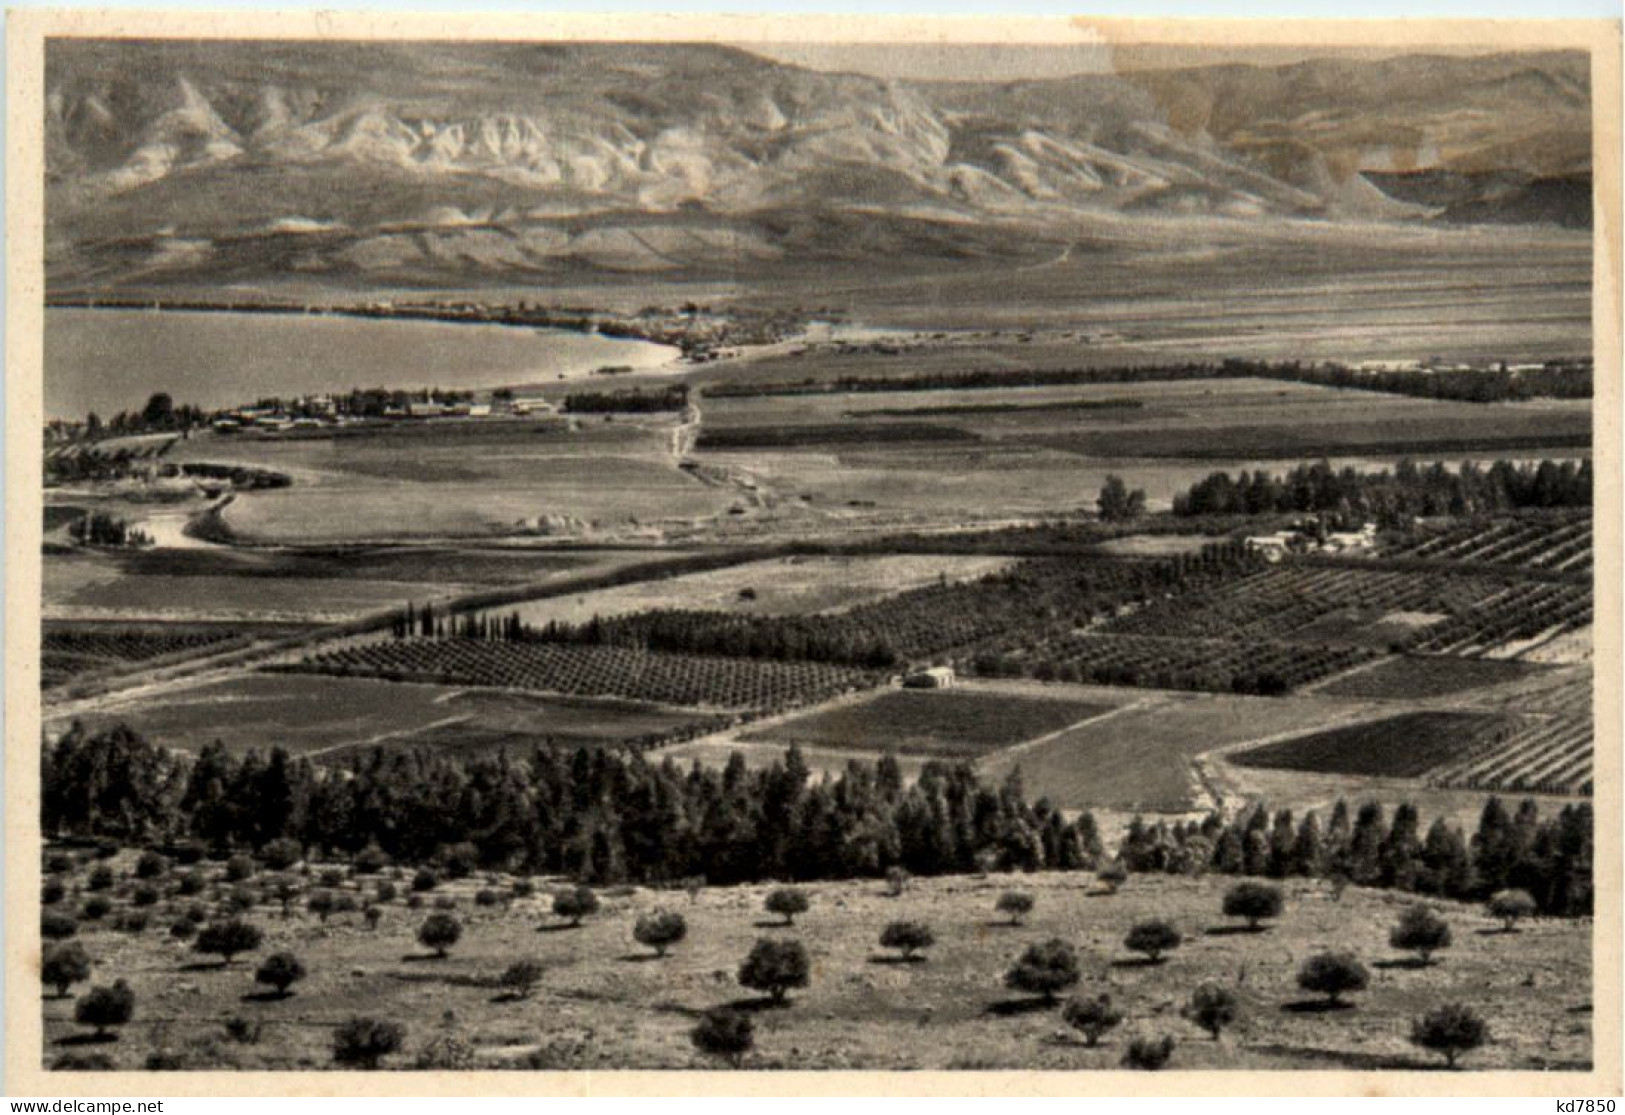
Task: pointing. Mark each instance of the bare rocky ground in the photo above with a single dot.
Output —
(605, 1002)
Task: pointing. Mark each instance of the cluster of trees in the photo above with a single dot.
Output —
(159, 415)
(1555, 380)
(630, 400)
(597, 815)
(1391, 497)
(98, 528)
(610, 817)
(1034, 596)
(1548, 859)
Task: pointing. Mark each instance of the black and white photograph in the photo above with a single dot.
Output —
(874, 554)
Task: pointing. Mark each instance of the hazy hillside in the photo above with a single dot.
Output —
(171, 160)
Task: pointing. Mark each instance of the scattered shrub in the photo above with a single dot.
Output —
(439, 932)
(279, 855)
(485, 896)
(386, 891)
(1333, 974)
(101, 878)
(331, 877)
(83, 1062)
(64, 966)
(373, 914)
(370, 860)
(787, 902)
(189, 884)
(95, 908)
(239, 869)
(522, 888)
(58, 863)
(775, 967)
(105, 1008)
(521, 978)
(1153, 938)
(51, 892)
(132, 921)
(897, 881)
(1253, 901)
(280, 970)
(1450, 1030)
(724, 1033)
(425, 880)
(1112, 875)
(908, 937)
(1213, 1006)
(1421, 931)
(458, 861)
(363, 1042)
(1044, 969)
(321, 904)
(187, 853)
(243, 1031)
(57, 927)
(1014, 904)
(1510, 906)
(1149, 1054)
(660, 929)
(446, 1053)
(145, 895)
(196, 914)
(228, 938)
(1091, 1017)
(183, 930)
(445, 902)
(575, 903)
(415, 902)
(151, 865)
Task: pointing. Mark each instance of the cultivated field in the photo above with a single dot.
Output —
(293, 586)
(463, 479)
(1409, 745)
(954, 723)
(780, 586)
(704, 681)
(333, 717)
(603, 1001)
(1141, 757)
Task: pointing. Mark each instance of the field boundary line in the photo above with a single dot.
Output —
(1017, 749)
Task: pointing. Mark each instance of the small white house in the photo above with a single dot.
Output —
(935, 677)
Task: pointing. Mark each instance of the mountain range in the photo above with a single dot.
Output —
(176, 161)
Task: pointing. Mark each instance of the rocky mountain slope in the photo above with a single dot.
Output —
(407, 162)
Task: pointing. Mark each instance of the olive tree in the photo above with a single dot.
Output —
(1045, 969)
(1091, 1017)
(787, 902)
(1421, 931)
(105, 1008)
(1015, 905)
(1450, 1030)
(660, 929)
(775, 967)
(1253, 901)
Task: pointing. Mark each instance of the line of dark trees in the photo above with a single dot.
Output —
(1557, 379)
(631, 400)
(1036, 594)
(102, 529)
(599, 815)
(607, 816)
(1389, 497)
(1550, 858)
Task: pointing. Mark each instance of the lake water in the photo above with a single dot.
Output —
(112, 360)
